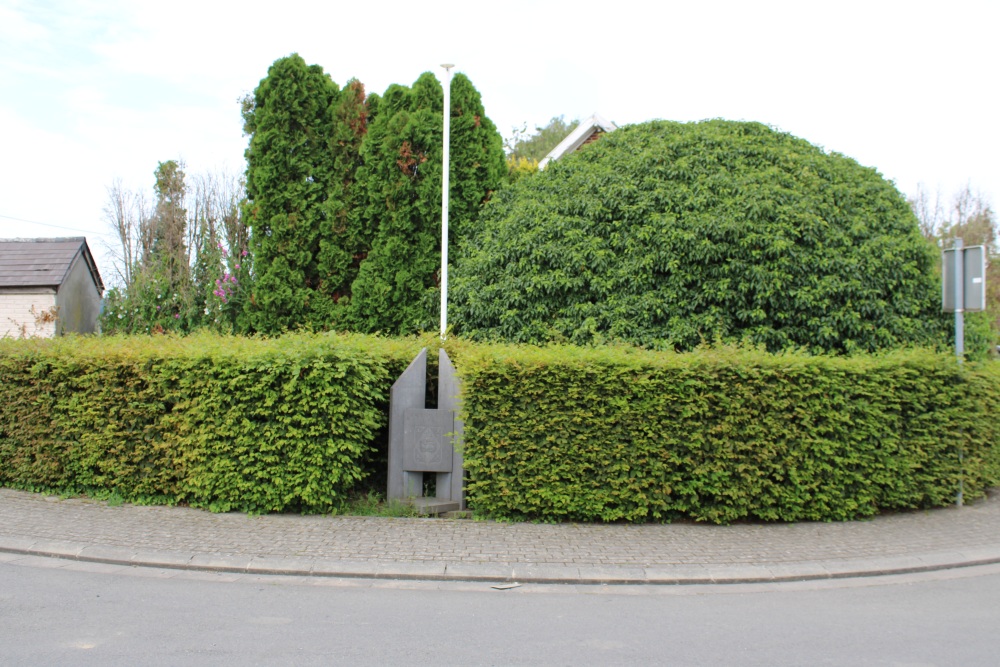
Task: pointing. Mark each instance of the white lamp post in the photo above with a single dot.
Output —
(444, 198)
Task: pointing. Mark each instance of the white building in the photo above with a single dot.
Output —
(48, 287)
(587, 131)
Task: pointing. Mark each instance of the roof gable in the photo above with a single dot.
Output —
(578, 137)
(43, 262)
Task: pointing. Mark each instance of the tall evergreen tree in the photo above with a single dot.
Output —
(344, 236)
(290, 173)
(402, 154)
(478, 165)
(398, 286)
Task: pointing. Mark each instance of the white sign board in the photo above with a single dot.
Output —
(973, 282)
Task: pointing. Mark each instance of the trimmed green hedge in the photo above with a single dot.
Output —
(219, 422)
(719, 435)
(556, 433)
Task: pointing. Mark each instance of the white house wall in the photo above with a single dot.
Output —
(22, 313)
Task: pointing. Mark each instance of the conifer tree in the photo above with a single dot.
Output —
(344, 236)
(290, 173)
(402, 154)
(478, 165)
(398, 286)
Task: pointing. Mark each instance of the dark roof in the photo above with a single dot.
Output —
(43, 262)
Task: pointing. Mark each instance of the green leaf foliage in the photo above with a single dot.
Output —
(163, 293)
(720, 435)
(304, 138)
(667, 235)
(345, 236)
(478, 164)
(402, 174)
(226, 423)
(398, 285)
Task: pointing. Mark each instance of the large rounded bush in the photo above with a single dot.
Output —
(668, 234)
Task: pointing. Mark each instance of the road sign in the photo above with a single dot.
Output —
(970, 288)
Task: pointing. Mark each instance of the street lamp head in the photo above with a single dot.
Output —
(448, 66)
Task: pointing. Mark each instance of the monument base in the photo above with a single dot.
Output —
(435, 505)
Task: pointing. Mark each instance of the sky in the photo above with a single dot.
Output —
(94, 91)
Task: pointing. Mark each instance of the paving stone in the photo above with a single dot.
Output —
(874, 566)
(944, 559)
(797, 571)
(678, 574)
(55, 547)
(341, 568)
(980, 555)
(734, 573)
(480, 571)
(106, 554)
(610, 574)
(410, 570)
(279, 565)
(161, 558)
(546, 572)
(222, 562)
(18, 543)
(181, 537)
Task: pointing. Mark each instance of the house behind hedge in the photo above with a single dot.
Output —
(48, 287)
(586, 132)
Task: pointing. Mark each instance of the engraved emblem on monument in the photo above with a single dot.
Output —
(427, 433)
(428, 447)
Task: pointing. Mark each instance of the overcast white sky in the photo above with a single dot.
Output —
(94, 90)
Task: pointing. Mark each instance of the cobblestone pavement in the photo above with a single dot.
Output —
(431, 548)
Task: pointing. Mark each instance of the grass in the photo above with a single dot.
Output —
(374, 504)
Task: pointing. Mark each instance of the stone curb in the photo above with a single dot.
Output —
(542, 573)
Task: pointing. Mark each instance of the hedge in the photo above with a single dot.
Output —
(554, 433)
(666, 235)
(225, 423)
(720, 435)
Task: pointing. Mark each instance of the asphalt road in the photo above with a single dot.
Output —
(56, 612)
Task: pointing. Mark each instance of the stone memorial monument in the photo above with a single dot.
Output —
(425, 440)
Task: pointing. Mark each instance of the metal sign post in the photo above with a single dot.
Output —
(963, 284)
(959, 283)
(958, 280)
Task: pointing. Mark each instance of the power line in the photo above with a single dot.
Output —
(46, 224)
